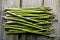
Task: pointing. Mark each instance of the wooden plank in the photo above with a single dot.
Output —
(15, 37)
(29, 37)
(22, 36)
(31, 3)
(9, 37)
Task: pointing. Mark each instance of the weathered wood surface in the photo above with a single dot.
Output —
(31, 3)
(54, 4)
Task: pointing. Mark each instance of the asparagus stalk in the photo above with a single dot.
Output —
(22, 20)
(37, 9)
(32, 31)
(36, 15)
(18, 26)
(33, 12)
(15, 31)
(28, 29)
(37, 27)
(27, 19)
(19, 31)
(31, 25)
(34, 18)
(25, 28)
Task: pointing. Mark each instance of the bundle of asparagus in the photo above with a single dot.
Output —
(32, 20)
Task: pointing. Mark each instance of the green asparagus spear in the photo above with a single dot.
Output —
(22, 20)
(33, 12)
(30, 25)
(15, 31)
(41, 16)
(35, 18)
(27, 19)
(32, 31)
(28, 29)
(37, 9)
(40, 27)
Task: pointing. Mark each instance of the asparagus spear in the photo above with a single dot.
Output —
(35, 18)
(28, 29)
(28, 24)
(18, 26)
(37, 9)
(36, 15)
(32, 31)
(22, 20)
(37, 27)
(33, 12)
(27, 19)
(19, 31)
(15, 31)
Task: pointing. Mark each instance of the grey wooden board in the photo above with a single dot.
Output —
(9, 37)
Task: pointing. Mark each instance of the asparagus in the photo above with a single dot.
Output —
(24, 28)
(27, 19)
(18, 26)
(35, 18)
(22, 20)
(33, 12)
(15, 31)
(30, 25)
(32, 31)
(37, 9)
(35, 15)
(37, 27)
